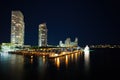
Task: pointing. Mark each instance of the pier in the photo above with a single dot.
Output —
(49, 52)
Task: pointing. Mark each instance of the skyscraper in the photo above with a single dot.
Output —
(17, 28)
(42, 40)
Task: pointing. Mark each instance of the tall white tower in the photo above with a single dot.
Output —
(42, 35)
(17, 28)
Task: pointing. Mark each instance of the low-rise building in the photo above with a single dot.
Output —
(68, 43)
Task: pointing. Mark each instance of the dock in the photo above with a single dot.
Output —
(48, 52)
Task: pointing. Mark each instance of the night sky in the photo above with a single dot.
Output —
(92, 21)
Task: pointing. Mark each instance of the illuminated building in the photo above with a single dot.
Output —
(68, 43)
(6, 47)
(17, 28)
(42, 35)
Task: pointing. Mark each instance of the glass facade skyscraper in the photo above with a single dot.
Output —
(42, 40)
(17, 28)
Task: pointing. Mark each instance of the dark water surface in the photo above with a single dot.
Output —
(98, 64)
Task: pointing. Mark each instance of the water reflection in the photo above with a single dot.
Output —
(42, 65)
(23, 66)
(76, 57)
(58, 63)
(31, 60)
(34, 65)
(87, 60)
(72, 57)
(11, 65)
(65, 60)
(35, 60)
(43, 59)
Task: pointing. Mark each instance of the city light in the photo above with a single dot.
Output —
(42, 35)
(58, 63)
(87, 59)
(66, 60)
(17, 28)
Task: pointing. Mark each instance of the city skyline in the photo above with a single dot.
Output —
(90, 23)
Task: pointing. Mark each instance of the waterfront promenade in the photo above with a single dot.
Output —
(49, 52)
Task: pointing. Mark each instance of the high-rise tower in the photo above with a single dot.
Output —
(42, 40)
(17, 28)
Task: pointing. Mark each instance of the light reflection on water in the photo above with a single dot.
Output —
(87, 60)
(13, 58)
(58, 62)
(67, 59)
(20, 65)
(11, 65)
(77, 66)
(72, 55)
(42, 60)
